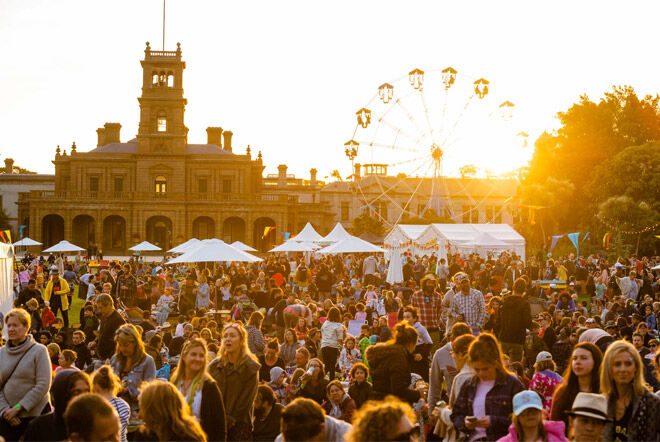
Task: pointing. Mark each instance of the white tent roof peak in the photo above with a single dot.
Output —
(485, 239)
(213, 250)
(145, 246)
(26, 242)
(292, 246)
(337, 234)
(63, 247)
(308, 234)
(183, 246)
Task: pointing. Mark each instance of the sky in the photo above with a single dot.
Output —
(286, 77)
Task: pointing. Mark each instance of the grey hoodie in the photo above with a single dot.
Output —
(30, 382)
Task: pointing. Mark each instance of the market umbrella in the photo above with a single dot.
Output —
(145, 246)
(64, 246)
(292, 246)
(25, 242)
(395, 269)
(244, 247)
(214, 250)
(183, 246)
(351, 245)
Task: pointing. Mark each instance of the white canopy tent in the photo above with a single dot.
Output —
(337, 234)
(308, 234)
(145, 246)
(244, 247)
(403, 234)
(64, 246)
(472, 238)
(351, 244)
(292, 246)
(6, 278)
(213, 250)
(27, 242)
(183, 246)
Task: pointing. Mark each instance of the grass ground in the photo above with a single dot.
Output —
(74, 310)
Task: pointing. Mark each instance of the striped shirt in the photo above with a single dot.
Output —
(124, 412)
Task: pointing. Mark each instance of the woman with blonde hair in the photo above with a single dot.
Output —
(106, 384)
(199, 390)
(165, 415)
(630, 404)
(236, 372)
(131, 363)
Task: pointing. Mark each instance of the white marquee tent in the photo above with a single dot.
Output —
(403, 233)
(308, 234)
(337, 234)
(472, 238)
(26, 242)
(6, 278)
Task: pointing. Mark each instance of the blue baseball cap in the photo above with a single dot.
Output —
(526, 399)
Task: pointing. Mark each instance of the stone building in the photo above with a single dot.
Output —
(160, 188)
(14, 185)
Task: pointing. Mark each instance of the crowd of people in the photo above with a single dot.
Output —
(295, 349)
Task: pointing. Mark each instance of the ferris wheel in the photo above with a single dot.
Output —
(420, 128)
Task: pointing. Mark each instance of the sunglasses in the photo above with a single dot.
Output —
(235, 325)
(412, 435)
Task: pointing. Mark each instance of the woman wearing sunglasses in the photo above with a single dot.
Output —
(236, 371)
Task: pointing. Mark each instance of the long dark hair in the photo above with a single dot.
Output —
(567, 390)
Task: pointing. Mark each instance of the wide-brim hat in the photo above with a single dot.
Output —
(590, 405)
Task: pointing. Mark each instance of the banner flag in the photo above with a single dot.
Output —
(574, 237)
(586, 235)
(555, 238)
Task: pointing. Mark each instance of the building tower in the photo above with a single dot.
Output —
(162, 129)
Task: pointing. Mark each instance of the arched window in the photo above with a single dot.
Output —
(170, 79)
(154, 79)
(161, 185)
(162, 122)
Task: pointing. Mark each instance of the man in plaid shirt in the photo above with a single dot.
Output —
(427, 301)
(468, 302)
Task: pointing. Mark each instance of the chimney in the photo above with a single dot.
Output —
(112, 132)
(281, 176)
(9, 165)
(101, 133)
(214, 136)
(312, 177)
(227, 144)
(356, 172)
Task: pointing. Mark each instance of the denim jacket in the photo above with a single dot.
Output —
(142, 371)
(499, 405)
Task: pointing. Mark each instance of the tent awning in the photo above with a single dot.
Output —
(25, 242)
(351, 245)
(308, 234)
(213, 250)
(145, 246)
(337, 234)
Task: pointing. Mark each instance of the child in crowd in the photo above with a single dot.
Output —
(278, 384)
(164, 306)
(67, 359)
(349, 356)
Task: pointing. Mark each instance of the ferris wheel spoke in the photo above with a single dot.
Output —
(412, 160)
(458, 119)
(412, 195)
(399, 131)
(385, 192)
(392, 146)
(444, 112)
(428, 118)
(411, 118)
